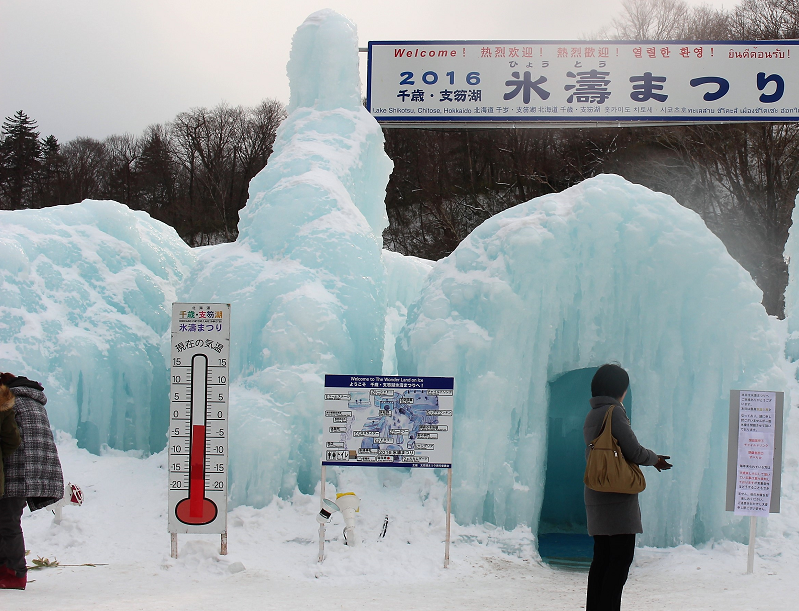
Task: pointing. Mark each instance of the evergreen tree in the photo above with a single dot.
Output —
(50, 177)
(20, 153)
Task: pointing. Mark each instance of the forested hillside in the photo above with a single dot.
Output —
(194, 171)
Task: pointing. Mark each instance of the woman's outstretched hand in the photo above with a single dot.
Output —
(661, 464)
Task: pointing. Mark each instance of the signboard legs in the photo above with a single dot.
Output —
(322, 524)
(449, 514)
(321, 556)
(750, 560)
(173, 537)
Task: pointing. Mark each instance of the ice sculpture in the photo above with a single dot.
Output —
(604, 271)
(792, 290)
(527, 304)
(85, 299)
(305, 277)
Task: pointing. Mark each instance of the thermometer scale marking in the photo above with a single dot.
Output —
(197, 509)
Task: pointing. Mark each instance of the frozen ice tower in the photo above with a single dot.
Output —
(305, 277)
(604, 271)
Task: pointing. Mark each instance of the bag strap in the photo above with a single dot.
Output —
(605, 438)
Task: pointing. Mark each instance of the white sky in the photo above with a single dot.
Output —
(102, 67)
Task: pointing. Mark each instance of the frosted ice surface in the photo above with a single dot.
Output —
(85, 300)
(604, 271)
(305, 278)
(792, 290)
(405, 277)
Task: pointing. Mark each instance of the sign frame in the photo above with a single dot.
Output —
(198, 420)
(732, 463)
(749, 50)
(401, 395)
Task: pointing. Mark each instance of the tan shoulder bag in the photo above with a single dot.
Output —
(607, 470)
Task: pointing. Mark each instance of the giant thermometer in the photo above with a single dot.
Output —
(198, 446)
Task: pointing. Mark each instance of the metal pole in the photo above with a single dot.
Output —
(173, 544)
(223, 546)
(750, 561)
(322, 525)
(449, 514)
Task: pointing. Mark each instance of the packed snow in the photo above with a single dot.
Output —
(604, 271)
(271, 564)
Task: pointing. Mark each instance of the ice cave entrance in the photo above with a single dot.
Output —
(562, 533)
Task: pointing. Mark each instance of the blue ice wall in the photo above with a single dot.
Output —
(85, 300)
(792, 290)
(604, 271)
(305, 278)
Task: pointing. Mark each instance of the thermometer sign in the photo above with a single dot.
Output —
(198, 418)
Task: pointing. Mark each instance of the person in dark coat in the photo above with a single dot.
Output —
(613, 518)
(32, 476)
(9, 431)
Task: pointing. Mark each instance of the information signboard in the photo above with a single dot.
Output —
(754, 452)
(198, 431)
(530, 82)
(388, 421)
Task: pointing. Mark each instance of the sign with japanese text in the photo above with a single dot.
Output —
(758, 422)
(388, 421)
(582, 81)
(198, 417)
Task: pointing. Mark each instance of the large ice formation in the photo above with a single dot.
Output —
(85, 299)
(518, 314)
(792, 290)
(604, 271)
(305, 277)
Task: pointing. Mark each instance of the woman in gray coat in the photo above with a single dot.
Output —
(613, 518)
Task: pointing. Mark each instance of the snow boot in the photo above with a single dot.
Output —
(10, 581)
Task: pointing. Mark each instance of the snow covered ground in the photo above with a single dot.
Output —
(123, 524)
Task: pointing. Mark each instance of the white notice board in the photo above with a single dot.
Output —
(754, 452)
(388, 421)
(198, 416)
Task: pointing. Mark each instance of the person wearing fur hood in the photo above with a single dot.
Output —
(33, 476)
(9, 432)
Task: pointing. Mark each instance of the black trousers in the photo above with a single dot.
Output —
(12, 544)
(613, 555)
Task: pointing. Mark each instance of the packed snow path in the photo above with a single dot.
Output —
(123, 523)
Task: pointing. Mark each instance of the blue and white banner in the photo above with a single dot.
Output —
(583, 81)
(388, 421)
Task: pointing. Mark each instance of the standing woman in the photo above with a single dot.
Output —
(32, 476)
(613, 518)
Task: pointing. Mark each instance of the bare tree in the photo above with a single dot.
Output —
(650, 20)
(123, 153)
(84, 164)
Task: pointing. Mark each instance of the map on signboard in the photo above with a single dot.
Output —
(391, 422)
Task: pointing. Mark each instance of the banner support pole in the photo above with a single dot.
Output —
(449, 516)
(750, 561)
